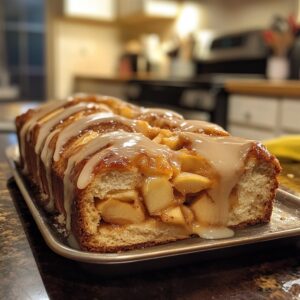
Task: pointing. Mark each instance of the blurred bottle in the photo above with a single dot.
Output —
(295, 51)
(133, 62)
(280, 39)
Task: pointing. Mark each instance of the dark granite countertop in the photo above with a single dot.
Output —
(30, 270)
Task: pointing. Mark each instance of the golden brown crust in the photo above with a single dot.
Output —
(79, 226)
(263, 157)
(84, 238)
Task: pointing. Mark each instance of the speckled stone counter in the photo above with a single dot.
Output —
(19, 275)
(30, 270)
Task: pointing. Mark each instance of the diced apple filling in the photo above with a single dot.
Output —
(125, 196)
(189, 162)
(173, 215)
(121, 213)
(205, 209)
(160, 199)
(189, 183)
(188, 215)
(158, 194)
(196, 164)
(172, 142)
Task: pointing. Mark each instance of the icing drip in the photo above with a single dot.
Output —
(43, 111)
(77, 127)
(46, 127)
(227, 155)
(210, 233)
(46, 157)
(165, 113)
(169, 118)
(122, 144)
(65, 134)
(47, 152)
(196, 125)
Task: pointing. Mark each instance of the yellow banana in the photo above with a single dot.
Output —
(287, 146)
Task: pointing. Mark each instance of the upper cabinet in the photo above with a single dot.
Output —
(137, 10)
(98, 10)
(125, 11)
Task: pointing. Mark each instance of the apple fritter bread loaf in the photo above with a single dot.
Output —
(122, 177)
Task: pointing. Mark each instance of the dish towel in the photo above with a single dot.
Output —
(287, 147)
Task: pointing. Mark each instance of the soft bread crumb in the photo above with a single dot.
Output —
(151, 231)
(101, 185)
(113, 181)
(253, 192)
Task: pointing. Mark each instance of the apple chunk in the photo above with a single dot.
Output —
(190, 163)
(158, 194)
(205, 210)
(172, 142)
(188, 214)
(188, 183)
(173, 215)
(118, 212)
(124, 196)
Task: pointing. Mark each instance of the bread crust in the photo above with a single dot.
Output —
(257, 156)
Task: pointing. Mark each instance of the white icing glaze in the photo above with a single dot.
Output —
(100, 99)
(74, 129)
(196, 125)
(47, 153)
(165, 113)
(89, 148)
(227, 155)
(65, 134)
(211, 233)
(122, 144)
(45, 128)
(173, 120)
(46, 157)
(40, 113)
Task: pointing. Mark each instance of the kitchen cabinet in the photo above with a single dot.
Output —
(261, 117)
(291, 115)
(126, 11)
(101, 10)
(250, 133)
(252, 111)
(132, 11)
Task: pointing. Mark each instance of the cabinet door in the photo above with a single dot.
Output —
(253, 111)
(249, 133)
(92, 9)
(291, 115)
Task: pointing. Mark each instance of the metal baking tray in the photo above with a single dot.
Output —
(285, 222)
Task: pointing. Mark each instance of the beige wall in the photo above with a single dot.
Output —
(79, 48)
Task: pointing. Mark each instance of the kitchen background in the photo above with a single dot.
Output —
(232, 62)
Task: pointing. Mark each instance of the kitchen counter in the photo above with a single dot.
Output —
(284, 88)
(80, 80)
(30, 270)
(195, 98)
(144, 77)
